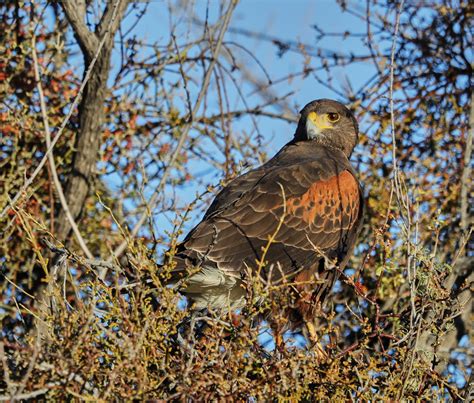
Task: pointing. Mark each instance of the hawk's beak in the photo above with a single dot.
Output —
(319, 121)
(315, 124)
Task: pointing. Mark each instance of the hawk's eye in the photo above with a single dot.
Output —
(333, 117)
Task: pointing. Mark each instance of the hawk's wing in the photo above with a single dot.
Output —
(308, 207)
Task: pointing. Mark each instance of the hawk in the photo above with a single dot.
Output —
(297, 211)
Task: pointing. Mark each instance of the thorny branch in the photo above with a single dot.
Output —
(52, 164)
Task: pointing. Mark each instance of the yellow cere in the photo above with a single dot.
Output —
(322, 121)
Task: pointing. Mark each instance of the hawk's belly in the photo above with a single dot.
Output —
(215, 289)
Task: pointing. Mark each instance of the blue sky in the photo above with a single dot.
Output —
(287, 20)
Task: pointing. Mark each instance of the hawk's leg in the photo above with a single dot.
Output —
(312, 335)
(313, 338)
(277, 331)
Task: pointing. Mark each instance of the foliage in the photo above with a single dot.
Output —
(397, 323)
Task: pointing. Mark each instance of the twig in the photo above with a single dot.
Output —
(257, 111)
(52, 164)
(25, 396)
(369, 38)
(6, 372)
(121, 248)
(392, 115)
(466, 179)
(29, 371)
(80, 260)
(40, 166)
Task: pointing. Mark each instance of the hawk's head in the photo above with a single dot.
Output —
(330, 123)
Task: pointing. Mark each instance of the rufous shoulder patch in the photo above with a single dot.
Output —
(334, 200)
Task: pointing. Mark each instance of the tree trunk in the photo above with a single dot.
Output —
(91, 108)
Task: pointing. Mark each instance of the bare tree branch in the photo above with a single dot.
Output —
(52, 164)
(466, 179)
(109, 22)
(75, 15)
